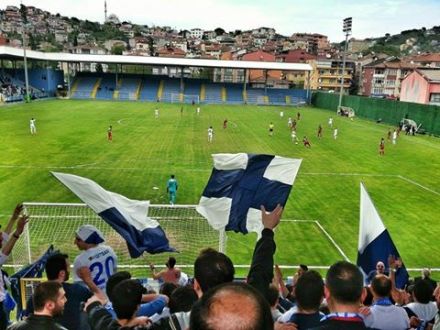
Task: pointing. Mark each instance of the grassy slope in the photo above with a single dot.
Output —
(72, 138)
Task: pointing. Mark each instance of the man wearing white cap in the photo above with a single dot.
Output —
(98, 257)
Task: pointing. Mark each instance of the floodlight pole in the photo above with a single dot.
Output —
(347, 30)
(26, 78)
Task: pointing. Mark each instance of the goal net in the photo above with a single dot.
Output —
(56, 223)
(184, 98)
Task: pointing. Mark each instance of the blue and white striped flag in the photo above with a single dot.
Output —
(240, 184)
(375, 243)
(128, 217)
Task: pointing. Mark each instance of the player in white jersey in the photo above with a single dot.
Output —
(32, 126)
(210, 133)
(99, 258)
(156, 113)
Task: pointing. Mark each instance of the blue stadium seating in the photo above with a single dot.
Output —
(107, 87)
(234, 93)
(84, 87)
(128, 87)
(213, 93)
(171, 86)
(150, 86)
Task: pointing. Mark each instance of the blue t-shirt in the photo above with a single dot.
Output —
(146, 309)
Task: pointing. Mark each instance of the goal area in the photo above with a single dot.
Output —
(184, 98)
(56, 223)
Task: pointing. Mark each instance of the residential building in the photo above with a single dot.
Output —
(326, 74)
(310, 42)
(383, 77)
(426, 60)
(421, 86)
(196, 33)
(260, 78)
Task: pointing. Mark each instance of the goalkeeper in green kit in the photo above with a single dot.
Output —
(172, 189)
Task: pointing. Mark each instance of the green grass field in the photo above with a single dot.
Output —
(72, 138)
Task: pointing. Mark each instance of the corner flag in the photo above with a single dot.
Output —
(128, 217)
(240, 184)
(375, 243)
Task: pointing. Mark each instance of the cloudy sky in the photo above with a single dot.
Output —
(372, 18)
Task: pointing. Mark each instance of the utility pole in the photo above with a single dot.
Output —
(346, 28)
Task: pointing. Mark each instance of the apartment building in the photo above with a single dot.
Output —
(326, 74)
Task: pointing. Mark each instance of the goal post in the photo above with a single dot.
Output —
(184, 98)
(56, 223)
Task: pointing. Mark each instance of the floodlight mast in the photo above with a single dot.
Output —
(346, 28)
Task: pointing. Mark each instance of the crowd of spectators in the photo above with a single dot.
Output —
(215, 299)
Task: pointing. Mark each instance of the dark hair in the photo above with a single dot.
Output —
(167, 288)
(309, 290)
(381, 285)
(127, 296)
(172, 176)
(272, 295)
(212, 268)
(44, 292)
(304, 267)
(423, 291)
(182, 299)
(114, 280)
(254, 313)
(171, 262)
(345, 282)
(55, 264)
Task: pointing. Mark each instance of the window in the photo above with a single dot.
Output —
(434, 98)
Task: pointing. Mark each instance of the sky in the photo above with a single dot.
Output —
(372, 18)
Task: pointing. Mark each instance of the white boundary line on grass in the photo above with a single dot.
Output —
(329, 237)
(418, 185)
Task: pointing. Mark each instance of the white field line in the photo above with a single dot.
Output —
(120, 121)
(324, 232)
(332, 240)
(419, 185)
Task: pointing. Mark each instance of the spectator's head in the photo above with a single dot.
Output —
(88, 236)
(212, 268)
(167, 288)
(426, 273)
(381, 286)
(344, 285)
(182, 299)
(57, 267)
(302, 269)
(172, 176)
(114, 280)
(49, 298)
(171, 262)
(231, 306)
(127, 296)
(309, 291)
(380, 267)
(423, 291)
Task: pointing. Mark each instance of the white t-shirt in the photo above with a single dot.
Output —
(32, 122)
(210, 131)
(102, 262)
(387, 318)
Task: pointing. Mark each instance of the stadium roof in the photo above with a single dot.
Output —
(17, 53)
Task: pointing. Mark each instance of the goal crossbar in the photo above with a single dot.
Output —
(56, 223)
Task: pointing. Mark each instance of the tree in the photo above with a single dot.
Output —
(99, 68)
(23, 13)
(117, 50)
(219, 31)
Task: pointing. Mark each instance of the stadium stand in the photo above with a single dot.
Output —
(107, 87)
(83, 87)
(150, 86)
(255, 96)
(234, 93)
(213, 93)
(170, 87)
(129, 88)
(192, 87)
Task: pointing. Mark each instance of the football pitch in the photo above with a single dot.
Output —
(321, 218)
